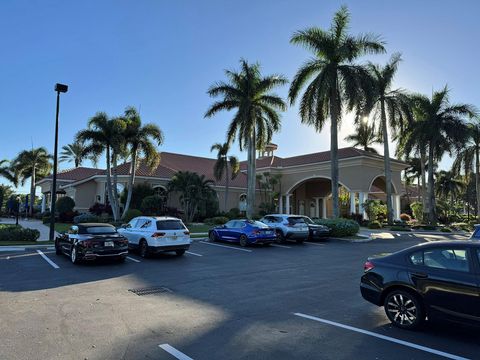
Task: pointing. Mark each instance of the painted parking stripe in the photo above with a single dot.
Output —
(192, 253)
(281, 246)
(174, 352)
(132, 259)
(312, 243)
(45, 257)
(224, 246)
(383, 337)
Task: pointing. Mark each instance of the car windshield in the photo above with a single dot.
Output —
(296, 220)
(99, 230)
(170, 225)
(308, 220)
(257, 224)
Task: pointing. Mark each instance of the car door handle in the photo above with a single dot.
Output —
(420, 275)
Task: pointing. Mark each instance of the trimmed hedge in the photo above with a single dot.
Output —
(340, 227)
(218, 220)
(375, 224)
(17, 233)
(85, 218)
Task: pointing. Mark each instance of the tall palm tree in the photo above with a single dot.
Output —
(7, 172)
(33, 164)
(140, 140)
(443, 129)
(103, 135)
(257, 113)
(74, 152)
(364, 137)
(449, 186)
(391, 108)
(338, 82)
(468, 158)
(223, 164)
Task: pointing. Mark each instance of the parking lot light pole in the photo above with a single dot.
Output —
(59, 88)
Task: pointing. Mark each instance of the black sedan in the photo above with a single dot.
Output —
(434, 279)
(316, 231)
(92, 241)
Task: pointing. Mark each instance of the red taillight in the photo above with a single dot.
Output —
(158, 234)
(368, 266)
(186, 232)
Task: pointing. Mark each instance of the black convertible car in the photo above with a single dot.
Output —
(437, 278)
(92, 241)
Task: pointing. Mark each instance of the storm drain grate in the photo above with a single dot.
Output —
(150, 290)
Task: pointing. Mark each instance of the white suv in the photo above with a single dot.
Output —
(288, 227)
(151, 235)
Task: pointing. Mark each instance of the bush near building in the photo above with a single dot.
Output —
(17, 233)
(340, 227)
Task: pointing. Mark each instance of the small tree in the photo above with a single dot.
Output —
(374, 209)
(65, 205)
(140, 192)
(417, 210)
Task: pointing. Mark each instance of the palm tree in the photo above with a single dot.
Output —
(256, 117)
(7, 172)
(223, 164)
(33, 164)
(337, 80)
(140, 140)
(443, 129)
(396, 104)
(364, 137)
(75, 152)
(469, 155)
(449, 186)
(104, 135)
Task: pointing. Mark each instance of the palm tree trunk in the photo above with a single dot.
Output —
(334, 114)
(109, 184)
(251, 178)
(477, 179)
(226, 184)
(423, 160)
(388, 171)
(115, 184)
(32, 192)
(431, 185)
(131, 181)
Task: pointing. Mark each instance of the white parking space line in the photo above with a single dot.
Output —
(45, 257)
(132, 259)
(224, 246)
(383, 337)
(312, 243)
(174, 352)
(192, 253)
(281, 246)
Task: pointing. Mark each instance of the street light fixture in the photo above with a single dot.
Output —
(59, 88)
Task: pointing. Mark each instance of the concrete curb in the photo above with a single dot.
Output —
(364, 240)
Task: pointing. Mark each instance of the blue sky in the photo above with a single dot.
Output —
(161, 56)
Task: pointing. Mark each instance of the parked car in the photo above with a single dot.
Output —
(476, 232)
(151, 235)
(288, 227)
(426, 280)
(92, 241)
(316, 231)
(244, 232)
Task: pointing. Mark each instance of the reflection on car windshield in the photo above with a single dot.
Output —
(170, 225)
(99, 230)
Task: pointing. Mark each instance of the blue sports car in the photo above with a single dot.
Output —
(244, 232)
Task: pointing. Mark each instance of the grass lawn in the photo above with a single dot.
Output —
(199, 228)
(21, 243)
(61, 227)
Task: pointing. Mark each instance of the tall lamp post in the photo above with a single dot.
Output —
(59, 88)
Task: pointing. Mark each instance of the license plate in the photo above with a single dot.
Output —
(109, 243)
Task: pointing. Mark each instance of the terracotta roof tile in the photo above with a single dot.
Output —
(79, 173)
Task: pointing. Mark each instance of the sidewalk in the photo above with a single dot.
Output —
(31, 224)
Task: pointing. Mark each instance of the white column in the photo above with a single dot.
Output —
(352, 203)
(280, 204)
(287, 203)
(396, 207)
(362, 197)
(317, 207)
(44, 203)
(324, 207)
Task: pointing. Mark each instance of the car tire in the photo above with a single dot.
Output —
(179, 252)
(212, 237)
(243, 241)
(404, 309)
(280, 237)
(143, 248)
(74, 255)
(121, 259)
(58, 249)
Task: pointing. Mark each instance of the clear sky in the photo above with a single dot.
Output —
(161, 56)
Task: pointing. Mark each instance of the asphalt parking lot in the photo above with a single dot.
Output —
(219, 301)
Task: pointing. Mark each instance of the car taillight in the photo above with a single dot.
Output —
(186, 232)
(158, 234)
(368, 266)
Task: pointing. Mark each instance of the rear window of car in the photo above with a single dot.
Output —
(170, 225)
(296, 220)
(98, 230)
(257, 224)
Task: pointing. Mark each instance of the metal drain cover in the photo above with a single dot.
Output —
(150, 290)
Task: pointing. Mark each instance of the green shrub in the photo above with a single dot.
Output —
(218, 220)
(140, 191)
(152, 205)
(64, 205)
(445, 229)
(375, 209)
(340, 227)
(375, 224)
(405, 217)
(131, 213)
(17, 233)
(233, 213)
(417, 210)
(85, 218)
(399, 228)
(104, 218)
(461, 226)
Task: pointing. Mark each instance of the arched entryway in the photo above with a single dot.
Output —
(378, 191)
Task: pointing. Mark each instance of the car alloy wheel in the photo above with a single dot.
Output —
(243, 241)
(74, 255)
(212, 237)
(143, 249)
(280, 238)
(403, 309)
